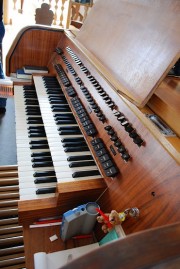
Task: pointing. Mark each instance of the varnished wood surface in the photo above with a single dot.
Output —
(67, 196)
(140, 43)
(151, 178)
(165, 103)
(34, 45)
(41, 237)
(154, 248)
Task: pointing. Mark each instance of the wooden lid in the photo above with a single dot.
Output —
(135, 43)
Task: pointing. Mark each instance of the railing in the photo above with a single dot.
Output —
(22, 8)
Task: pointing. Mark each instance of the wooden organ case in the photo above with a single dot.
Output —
(117, 65)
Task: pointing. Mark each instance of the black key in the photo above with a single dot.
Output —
(49, 78)
(34, 122)
(63, 128)
(31, 102)
(30, 96)
(52, 86)
(53, 91)
(76, 149)
(41, 154)
(52, 102)
(81, 164)
(42, 164)
(64, 118)
(66, 115)
(60, 106)
(44, 174)
(66, 122)
(39, 146)
(85, 173)
(72, 139)
(36, 131)
(45, 180)
(34, 107)
(69, 132)
(34, 118)
(57, 97)
(46, 190)
(41, 128)
(79, 158)
(74, 144)
(61, 109)
(41, 159)
(33, 113)
(32, 142)
(36, 135)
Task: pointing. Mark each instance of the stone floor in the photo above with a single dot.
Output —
(8, 135)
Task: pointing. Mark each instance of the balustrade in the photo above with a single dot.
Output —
(20, 7)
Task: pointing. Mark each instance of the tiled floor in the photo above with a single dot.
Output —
(8, 135)
(7, 120)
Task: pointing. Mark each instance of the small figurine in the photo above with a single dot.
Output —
(110, 220)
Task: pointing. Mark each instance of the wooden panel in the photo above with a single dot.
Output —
(43, 243)
(135, 43)
(32, 47)
(151, 178)
(68, 196)
(29, 212)
(165, 103)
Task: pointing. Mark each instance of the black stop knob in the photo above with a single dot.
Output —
(125, 156)
(108, 127)
(114, 138)
(138, 140)
(121, 149)
(111, 132)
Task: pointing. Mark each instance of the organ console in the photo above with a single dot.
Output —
(103, 124)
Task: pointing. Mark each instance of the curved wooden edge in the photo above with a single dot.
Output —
(20, 35)
(140, 250)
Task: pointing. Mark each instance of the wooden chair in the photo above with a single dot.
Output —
(75, 17)
(44, 15)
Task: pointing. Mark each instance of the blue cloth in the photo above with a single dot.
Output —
(3, 102)
(83, 1)
(2, 33)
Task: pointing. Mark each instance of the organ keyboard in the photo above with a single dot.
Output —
(93, 109)
(38, 138)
